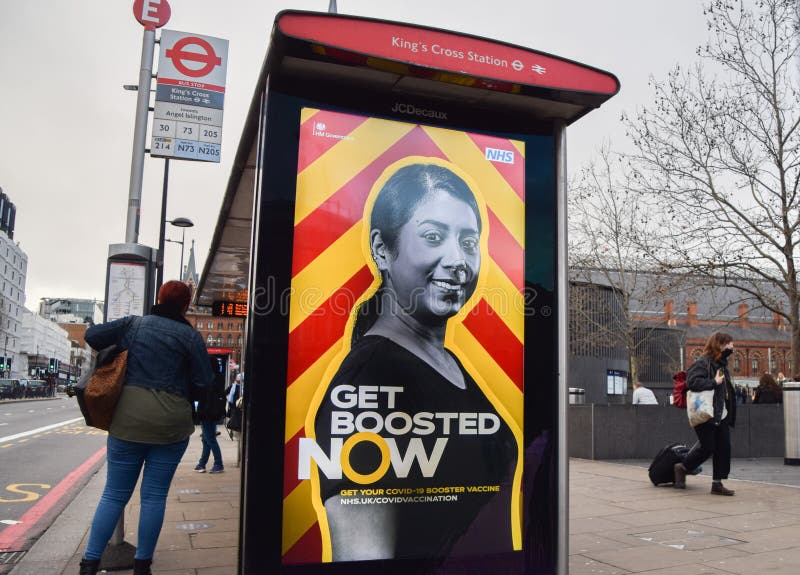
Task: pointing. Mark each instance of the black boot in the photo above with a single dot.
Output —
(142, 567)
(89, 566)
(718, 489)
(680, 476)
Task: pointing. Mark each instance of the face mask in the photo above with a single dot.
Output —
(726, 353)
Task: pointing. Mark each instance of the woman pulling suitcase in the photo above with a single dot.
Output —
(710, 372)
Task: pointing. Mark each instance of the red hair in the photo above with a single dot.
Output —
(175, 294)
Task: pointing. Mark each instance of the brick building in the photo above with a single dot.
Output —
(219, 332)
(673, 317)
(762, 339)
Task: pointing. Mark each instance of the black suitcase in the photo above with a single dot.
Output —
(662, 469)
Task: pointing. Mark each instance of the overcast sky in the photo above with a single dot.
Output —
(66, 125)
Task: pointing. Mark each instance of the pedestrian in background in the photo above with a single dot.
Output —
(210, 409)
(234, 411)
(710, 372)
(642, 395)
(167, 364)
(768, 390)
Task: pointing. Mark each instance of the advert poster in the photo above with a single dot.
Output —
(404, 410)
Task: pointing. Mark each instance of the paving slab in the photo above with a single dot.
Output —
(665, 531)
(619, 523)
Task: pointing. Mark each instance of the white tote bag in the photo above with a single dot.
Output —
(699, 406)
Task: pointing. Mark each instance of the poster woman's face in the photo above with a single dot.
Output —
(435, 268)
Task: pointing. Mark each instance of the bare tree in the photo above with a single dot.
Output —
(613, 231)
(721, 155)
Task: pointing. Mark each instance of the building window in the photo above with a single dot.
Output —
(230, 326)
(239, 342)
(754, 365)
(219, 325)
(209, 341)
(199, 324)
(219, 340)
(773, 363)
(230, 340)
(737, 363)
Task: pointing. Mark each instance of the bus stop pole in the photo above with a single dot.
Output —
(139, 136)
(562, 279)
(118, 553)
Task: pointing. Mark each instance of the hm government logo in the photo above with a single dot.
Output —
(503, 156)
(320, 130)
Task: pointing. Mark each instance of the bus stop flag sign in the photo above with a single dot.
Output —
(190, 94)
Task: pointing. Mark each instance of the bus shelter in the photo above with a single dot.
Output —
(394, 227)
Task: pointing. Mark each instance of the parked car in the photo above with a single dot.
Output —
(37, 388)
(10, 389)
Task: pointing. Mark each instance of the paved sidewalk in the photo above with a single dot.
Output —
(200, 535)
(620, 523)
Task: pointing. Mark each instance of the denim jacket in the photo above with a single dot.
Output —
(163, 353)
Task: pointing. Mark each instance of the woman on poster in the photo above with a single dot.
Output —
(400, 382)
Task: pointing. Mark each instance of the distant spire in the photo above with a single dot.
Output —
(332, 7)
(189, 270)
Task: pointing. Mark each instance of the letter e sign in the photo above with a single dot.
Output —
(151, 14)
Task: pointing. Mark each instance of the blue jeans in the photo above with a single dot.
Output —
(210, 445)
(125, 461)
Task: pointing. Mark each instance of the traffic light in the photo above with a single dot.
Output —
(2, 362)
(53, 365)
(8, 363)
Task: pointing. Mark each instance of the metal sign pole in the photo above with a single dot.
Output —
(162, 228)
(139, 136)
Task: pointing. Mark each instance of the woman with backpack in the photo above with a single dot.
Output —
(710, 372)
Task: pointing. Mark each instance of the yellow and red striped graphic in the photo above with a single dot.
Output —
(341, 156)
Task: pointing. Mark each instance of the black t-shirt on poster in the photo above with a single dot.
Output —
(460, 521)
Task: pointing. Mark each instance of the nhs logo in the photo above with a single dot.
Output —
(504, 156)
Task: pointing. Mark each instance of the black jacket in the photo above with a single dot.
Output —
(211, 402)
(700, 377)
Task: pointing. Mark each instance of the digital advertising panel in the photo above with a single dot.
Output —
(404, 403)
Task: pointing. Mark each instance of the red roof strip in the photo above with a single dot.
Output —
(445, 50)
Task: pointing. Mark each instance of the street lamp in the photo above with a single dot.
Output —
(182, 223)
